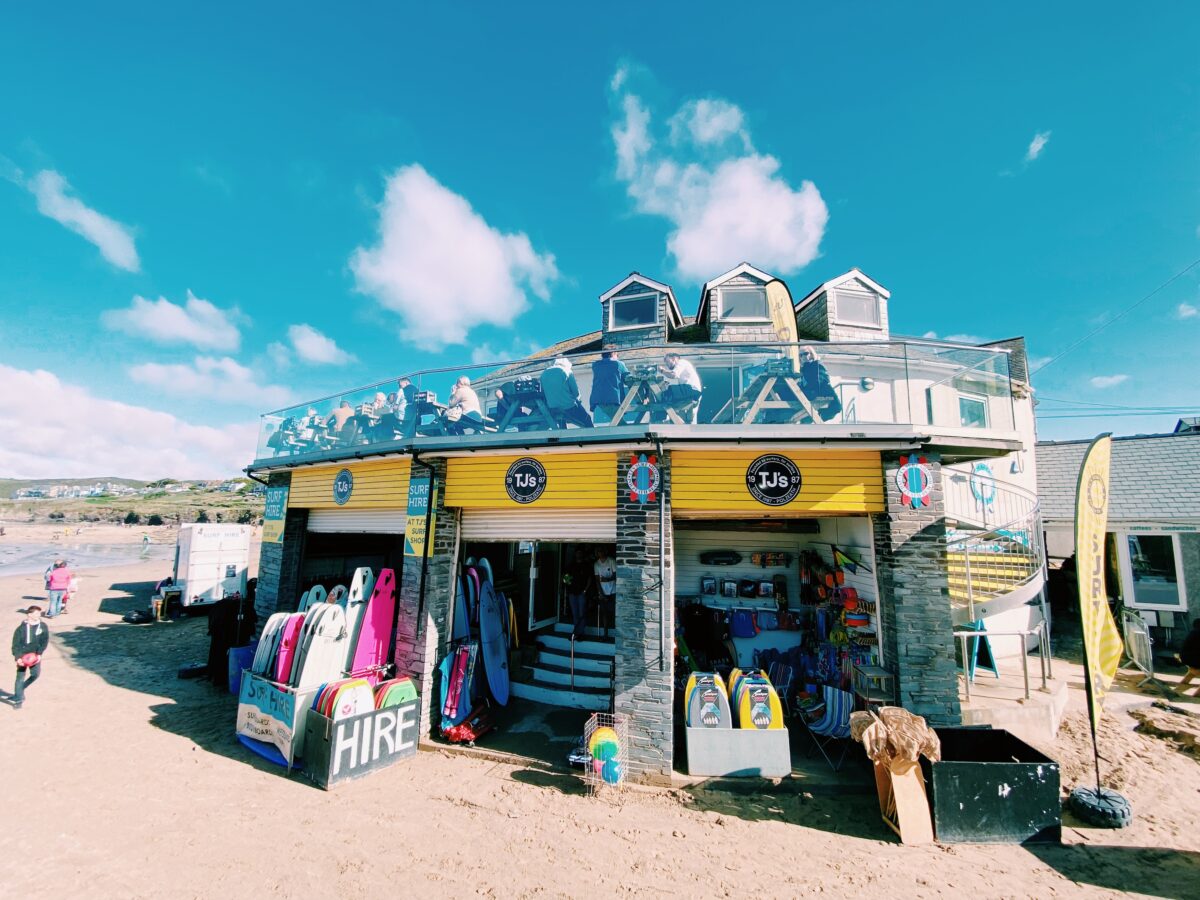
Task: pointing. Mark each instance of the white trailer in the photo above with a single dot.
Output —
(211, 562)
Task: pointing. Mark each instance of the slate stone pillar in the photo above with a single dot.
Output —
(645, 663)
(914, 597)
(420, 646)
(279, 564)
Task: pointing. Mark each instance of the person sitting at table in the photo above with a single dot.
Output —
(463, 405)
(814, 381)
(683, 390)
(340, 416)
(608, 386)
(562, 395)
(407, 395)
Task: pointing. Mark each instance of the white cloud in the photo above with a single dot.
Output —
(114, 240)
(709, 122)
(1187, 311)
(1037, 145)
(442, 267)
(197, 322)
(955, 338)
(726, 203)
(222, 379)
(1107, 381)
(314, 347)
(96, 436)
(519, 349)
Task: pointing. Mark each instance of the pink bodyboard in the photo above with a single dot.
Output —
(375, 636)
(287, 647)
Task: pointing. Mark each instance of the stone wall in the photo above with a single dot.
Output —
(419, 649)
(279, 564)
(914, 598)
(644, 677)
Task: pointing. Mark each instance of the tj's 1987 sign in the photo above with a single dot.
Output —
(773, 480)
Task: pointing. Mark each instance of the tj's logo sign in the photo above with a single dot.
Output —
(773, 480)
(343, 486)
(525, 480)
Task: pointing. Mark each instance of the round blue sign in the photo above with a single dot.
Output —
(343, 486)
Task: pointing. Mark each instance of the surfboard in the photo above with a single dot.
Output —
(492, 627)
(485, 568)
(462, 618)
(287, 647)
(707, 703)
(471, 576)
(335, 595)
(361, 584)
(783, 319)
(355, 603)
(374, 637)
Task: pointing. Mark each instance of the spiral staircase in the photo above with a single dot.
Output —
(995, 554)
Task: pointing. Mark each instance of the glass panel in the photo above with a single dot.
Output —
(972, 412)
(857, 307)
(1152, 559)
(632, 311)
(744, 303)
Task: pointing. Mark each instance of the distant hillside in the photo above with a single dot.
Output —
(9, 486)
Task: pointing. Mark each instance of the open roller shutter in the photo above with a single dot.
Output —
(358, 521)
(564, 525)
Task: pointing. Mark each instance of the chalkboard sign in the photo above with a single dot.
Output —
(979, 651)
(336, 750)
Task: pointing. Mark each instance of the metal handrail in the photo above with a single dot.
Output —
(965, 634)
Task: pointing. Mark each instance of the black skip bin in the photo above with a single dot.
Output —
(990, 787)
(347, 748)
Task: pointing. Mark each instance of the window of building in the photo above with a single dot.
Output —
(972, 411)
(637, 311)
(743, 304)
(856, 308)
(1151, 566)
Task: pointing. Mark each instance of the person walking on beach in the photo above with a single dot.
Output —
(28, 644)
(58, 584)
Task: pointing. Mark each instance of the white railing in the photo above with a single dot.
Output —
(996, 546)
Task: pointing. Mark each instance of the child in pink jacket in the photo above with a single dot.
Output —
(59, 584)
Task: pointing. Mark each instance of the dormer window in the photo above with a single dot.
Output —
(856, 308)
(743, 304)
(636, 311)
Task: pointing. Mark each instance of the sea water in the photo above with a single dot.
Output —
(21, 558)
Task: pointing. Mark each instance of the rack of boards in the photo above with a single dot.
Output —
(475, 672)
(750, 701)
(332, 655)
(346, 631)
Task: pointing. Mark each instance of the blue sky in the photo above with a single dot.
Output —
(203, 215)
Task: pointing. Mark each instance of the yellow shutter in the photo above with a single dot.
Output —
(832, 482)
(573, 481)
(378, 484)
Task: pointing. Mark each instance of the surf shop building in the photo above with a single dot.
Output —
(805, 507)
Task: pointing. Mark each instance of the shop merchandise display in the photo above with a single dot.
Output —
(707, 701)
(834, 624)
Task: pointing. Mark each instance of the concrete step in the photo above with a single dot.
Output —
(540, 692)
(590, 631)
(584, 662)
(594, 646)
(561, 675)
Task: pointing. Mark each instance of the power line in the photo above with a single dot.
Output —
(1119, 315)
(1119, 415)
(1102, 405)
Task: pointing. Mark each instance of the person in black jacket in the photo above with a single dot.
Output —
(1189, 655)
(31, 637)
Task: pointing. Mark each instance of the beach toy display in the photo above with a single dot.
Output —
(606, 740)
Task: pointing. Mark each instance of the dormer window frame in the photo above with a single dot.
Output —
(612, 307)
(836, 318)
(722, 319)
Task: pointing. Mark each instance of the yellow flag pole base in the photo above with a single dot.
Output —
(1100, 807)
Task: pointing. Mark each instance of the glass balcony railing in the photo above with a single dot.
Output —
(752, 387)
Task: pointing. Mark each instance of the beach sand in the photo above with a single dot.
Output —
(120, 780)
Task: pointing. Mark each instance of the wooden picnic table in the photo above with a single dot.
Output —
(771, 390)
(645, 398)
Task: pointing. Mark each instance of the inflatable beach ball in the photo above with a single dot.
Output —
(611, 773)
(604, 745)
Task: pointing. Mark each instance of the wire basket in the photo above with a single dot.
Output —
(606, 737)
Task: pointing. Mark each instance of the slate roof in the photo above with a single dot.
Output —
(1154, 477)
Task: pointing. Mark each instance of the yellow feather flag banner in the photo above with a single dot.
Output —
(1101, 640)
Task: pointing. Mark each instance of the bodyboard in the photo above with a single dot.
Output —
(462, 619)
(758, 705)
(316, 594)
(485, 569)
(287, 647)
(335, 596)
(707, 703)
(374, 637)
